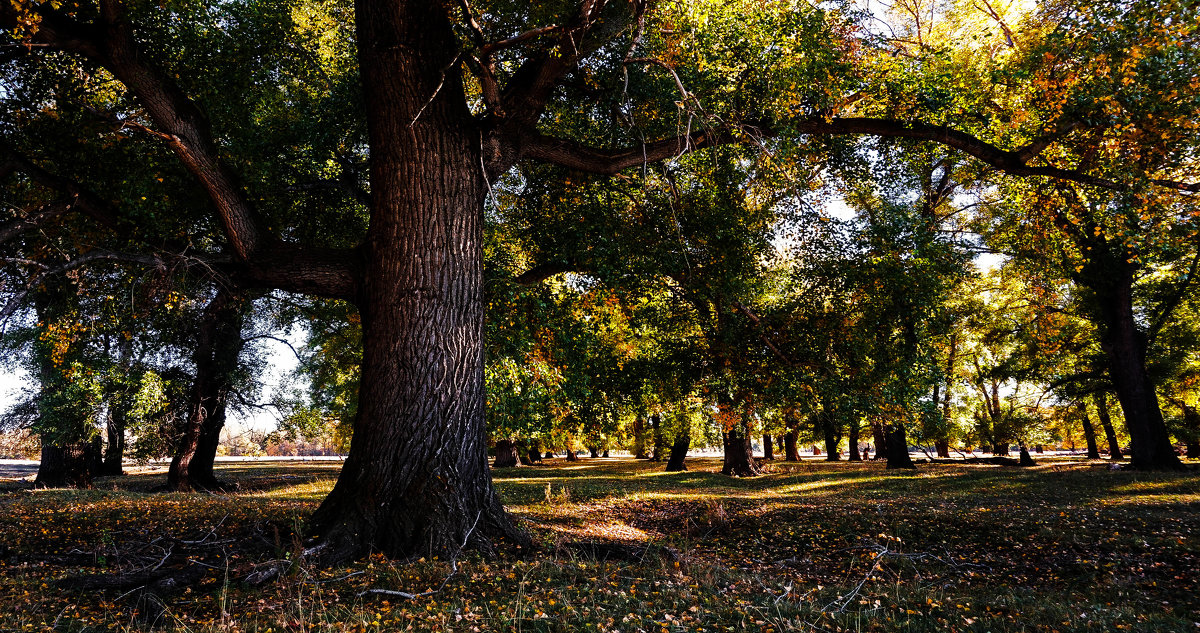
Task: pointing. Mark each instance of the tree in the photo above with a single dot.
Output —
(415, 479)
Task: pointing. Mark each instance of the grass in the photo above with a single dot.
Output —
(1065, 546)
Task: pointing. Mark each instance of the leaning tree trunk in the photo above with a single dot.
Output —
(679, 451)
(897, 448)
(1110, 434)
(1125, 344)
(215, 356)
(416, 481)
(1089, 433)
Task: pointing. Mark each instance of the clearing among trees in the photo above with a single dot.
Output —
(620, 545)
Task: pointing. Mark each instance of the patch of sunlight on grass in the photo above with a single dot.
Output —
(1164, 499)
(301, 492)
(810, 486)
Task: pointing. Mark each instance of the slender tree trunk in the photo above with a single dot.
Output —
(659, 442)
(217, 347)
(881, 440)
(897, 448)
(1191, 419)
(1089, 433)
(852, 440)
(679, 452)
(114, 450)
(416, 481)
(1110, 434)
(1150, 445)
(942, 443)
(768, 450)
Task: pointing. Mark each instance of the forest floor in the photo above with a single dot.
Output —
(813, 546)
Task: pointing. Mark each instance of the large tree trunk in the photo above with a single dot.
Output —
(829, 429)
(217, 347)
(897, 448)
(1125, 344)
(1089, 433)
(64, 465)
(507, 454)
(739, 457)
(416, 481)
(679, 452)
(1110, 434)
(791, 452)
(768, 450)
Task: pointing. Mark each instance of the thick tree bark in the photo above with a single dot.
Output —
(1125, 344)
(416, 481)
(570, 455)
(506, 454)
(534, 450)
(593, 452)
(897, 448)
(72, 465)
(739, 457)
(1110, 434)
(830, 431)
(790, 451)
(215, 356)
(1089, 433)
(679, 450)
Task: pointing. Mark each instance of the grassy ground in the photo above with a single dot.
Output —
(1065, 546)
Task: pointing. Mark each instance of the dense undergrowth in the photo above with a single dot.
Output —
(1064, 546)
